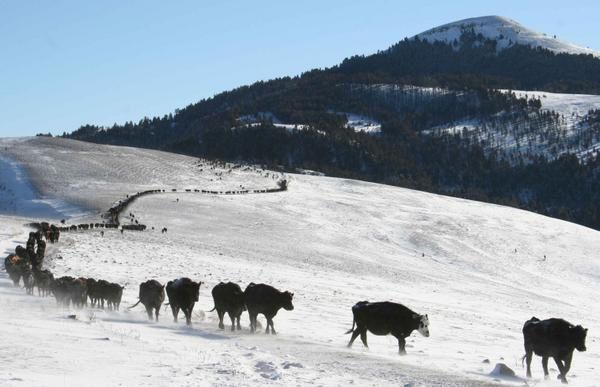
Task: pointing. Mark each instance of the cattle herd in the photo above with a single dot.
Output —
(551, 338)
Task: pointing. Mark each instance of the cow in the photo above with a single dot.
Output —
(100, 291)
(43, 279)
(384, 318)
(113, 294)
(62, 289)
(265, 299)
(183, 294)
(78, 292)
(151, 295)
(16, 266)
(229, 298)
(92, 287)
(554, 338)
(28, 280)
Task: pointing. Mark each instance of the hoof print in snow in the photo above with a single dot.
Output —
(267, 370)
(486, 361)
(72, 316)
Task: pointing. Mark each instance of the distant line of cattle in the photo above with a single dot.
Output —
(115, 211)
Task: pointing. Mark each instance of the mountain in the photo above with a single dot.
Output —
(427, 114)
(478, 270)
(505, 32)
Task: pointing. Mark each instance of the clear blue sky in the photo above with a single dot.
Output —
(67, 63)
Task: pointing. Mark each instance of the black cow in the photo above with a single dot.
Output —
(183, 294)
(43, 279)
(554, 338)
(151, 295)
(229, 298)
(101, 290)
(79, 292)
(114, 294)
(384, 318)
(16, 266)
(28, 280)
(63, 288)
(265, 299)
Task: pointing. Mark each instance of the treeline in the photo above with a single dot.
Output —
(474, 62)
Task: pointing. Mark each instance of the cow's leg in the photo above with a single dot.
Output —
(545, 366)
(563, 375)
(175, 311)
(363, 337)
(232, 318)
(221, 314)
(355, 334)
(252, 317)
(239, 325)
(270, 322)
(188, 315)
(157, 310)
(401, 345)
(528, 356)
(568, 359)
(148, 311)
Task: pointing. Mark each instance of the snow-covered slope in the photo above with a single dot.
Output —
(505, 31)
(94, 176)
(568, 131)
(478, 270)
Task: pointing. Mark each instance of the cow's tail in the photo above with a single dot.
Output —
(134, 305)
(351, 329)
(213, 309)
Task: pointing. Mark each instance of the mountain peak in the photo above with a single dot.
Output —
(505, 31)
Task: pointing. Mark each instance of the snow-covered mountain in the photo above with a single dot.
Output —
(478, 270)
(505, 31)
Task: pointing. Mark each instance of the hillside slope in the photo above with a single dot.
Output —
(478, 270)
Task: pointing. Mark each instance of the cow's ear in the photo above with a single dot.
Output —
(292, 294)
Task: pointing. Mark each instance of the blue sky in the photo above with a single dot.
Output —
(67, 63)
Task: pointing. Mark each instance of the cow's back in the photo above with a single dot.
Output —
(151, 291)
(383, 317)
(181, 292)
(260, 296)
(229, 294)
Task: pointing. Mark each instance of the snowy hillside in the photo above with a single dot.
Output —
(505, 31)
(478, 270)
(104, 174)
(567, 128)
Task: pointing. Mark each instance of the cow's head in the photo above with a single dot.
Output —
(287, 300)
(423, 326)
(578, 334)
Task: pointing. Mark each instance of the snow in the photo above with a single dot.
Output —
(17, 196)
(362, 123)
(505, 31)
(478, 270)
(569, 133)
(568, 105)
